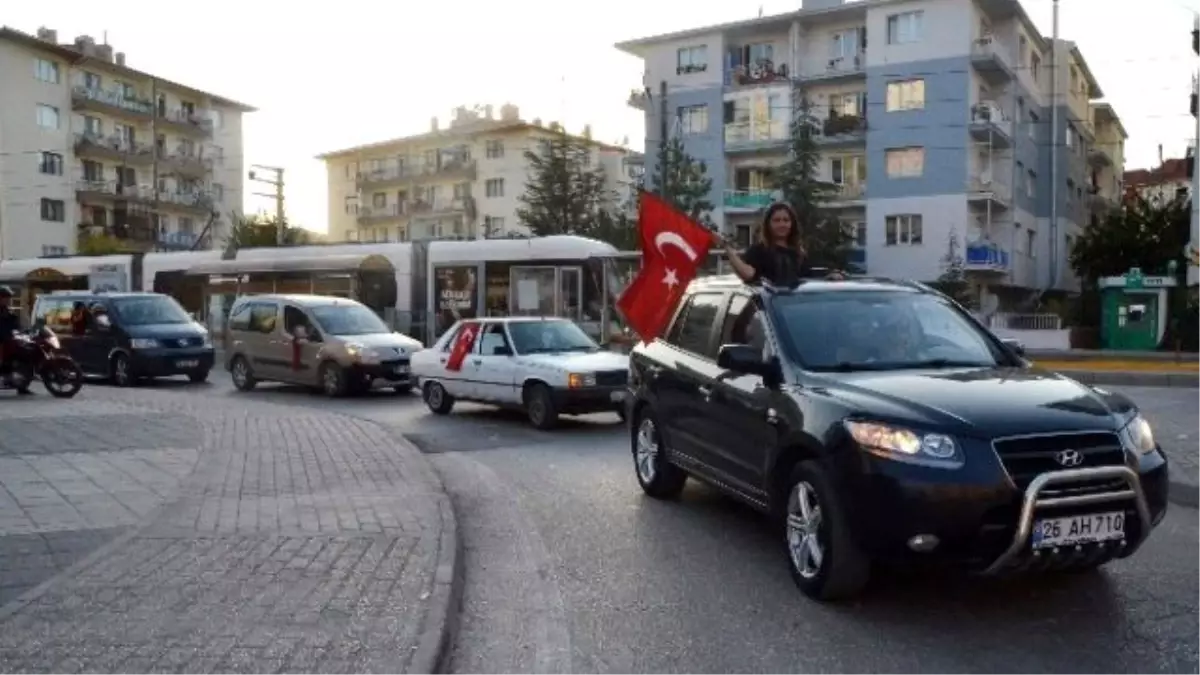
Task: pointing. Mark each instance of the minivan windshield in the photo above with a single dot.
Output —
(849, 330)
(146, 310)
(348, 319)
(545, 337)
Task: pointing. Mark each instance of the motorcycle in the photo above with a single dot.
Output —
(39, 354)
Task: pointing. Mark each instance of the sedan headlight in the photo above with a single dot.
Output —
(1138, 436)
(144, 343)
(580, 380)
(905, 444)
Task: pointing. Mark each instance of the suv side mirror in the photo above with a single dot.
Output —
(1015, 345)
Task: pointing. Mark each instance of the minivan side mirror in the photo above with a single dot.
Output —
(1015, 345)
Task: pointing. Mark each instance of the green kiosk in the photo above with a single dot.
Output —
(1134, 311)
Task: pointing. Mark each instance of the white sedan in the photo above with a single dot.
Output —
(546, 367)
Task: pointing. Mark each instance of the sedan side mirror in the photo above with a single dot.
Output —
(1015, 345)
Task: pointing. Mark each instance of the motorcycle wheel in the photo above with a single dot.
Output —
(63, 378)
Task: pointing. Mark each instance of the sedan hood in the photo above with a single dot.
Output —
(986, 402)
(579, 362)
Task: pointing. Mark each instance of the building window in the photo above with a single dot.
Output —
(46, 71)
(93, 171)
(848, 43)
(494, 149)
(91, 81)
(693, 119)
(379, 200)
(494, 187)
(352, 235)
(47, 116)
(860, 234)
(1035, 67)
(48, 250)
(493, 225)
(129, 92)
(51, 163)
(1069, 136)
(93, 126)
(54, 210)
(904, 28)
(350, 205)
(1022, 51)
(905, 162)
(1031, 242)
(1031, 185)
(1033, 123)
(848, 170)
(903, 230)
(691, 60)
(906, 95)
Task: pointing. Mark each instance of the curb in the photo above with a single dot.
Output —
(436, 642)
(1182, 493)
(1133, 379)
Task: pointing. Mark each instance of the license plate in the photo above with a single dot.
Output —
(400, 370)
(190, 363)
(1073, 530)
(617, 396)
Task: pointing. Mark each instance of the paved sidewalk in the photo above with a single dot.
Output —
(153, 531)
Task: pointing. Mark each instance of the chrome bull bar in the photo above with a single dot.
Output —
(1031, 503)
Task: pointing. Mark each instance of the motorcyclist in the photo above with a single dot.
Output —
(10, 323)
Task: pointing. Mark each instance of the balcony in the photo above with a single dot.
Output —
(991, 58)
(841, 130)
(748, 201)
(187, 121)
(838, 69)
(983, 190)
(198, 202)
(111, 103)
(177, 241)
(986, 257)
(848, 195)
(185, 162)
(394, 176)
(421, 209)
(378, 215)
(763, 71)
(1099, 158)
(639, 99)
(756, 135)
(89, 190)
(990, 125)
(113, 149)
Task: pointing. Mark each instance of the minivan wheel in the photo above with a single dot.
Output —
(243, 378)
(658, 477)
(824, 559)
(438, 399)
(119, 371)
(333, 379)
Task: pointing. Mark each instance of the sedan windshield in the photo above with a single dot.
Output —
(348, 320)
(149, 310)
(880, 330)
(543, 337)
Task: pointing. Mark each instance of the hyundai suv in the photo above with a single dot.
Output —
(879, 422)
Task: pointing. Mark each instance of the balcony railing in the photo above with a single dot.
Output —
(763, 71)
(756, 132)
(989, 51)
(193, 120)
(986, 257)
(846, 192)
(749, 199)
(843, 125)
(114, 99)
(639, 99)
(114, 188)
(838, 67)
(989, 117)
(112, 146)
(177, 241)
(985, 185)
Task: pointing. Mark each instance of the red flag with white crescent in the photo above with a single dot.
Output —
(673, 248)
(464, 342)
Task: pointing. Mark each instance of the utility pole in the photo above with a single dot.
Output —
(276, 180)
(1193, 273)
(1054, 68)
(664, 129)
(155, 217)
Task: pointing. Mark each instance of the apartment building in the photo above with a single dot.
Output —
(90, 145)
(1170, 179)
(462, 181)
(934, 117)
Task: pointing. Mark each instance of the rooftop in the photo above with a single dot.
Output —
(1170, 171)
(1105, 114)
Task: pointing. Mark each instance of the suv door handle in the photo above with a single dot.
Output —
(706, 392)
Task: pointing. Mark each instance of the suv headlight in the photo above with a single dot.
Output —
(1138, 436)
(905, 445)
(580, 380)
(143, 343)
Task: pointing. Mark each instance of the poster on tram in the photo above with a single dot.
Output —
(456, 292)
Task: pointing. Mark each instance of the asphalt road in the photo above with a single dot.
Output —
(571, 568)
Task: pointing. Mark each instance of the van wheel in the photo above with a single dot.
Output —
(825, 561)
(243, 377)
(333, 379)
(438, 399)
(539, 406)
(119, 371)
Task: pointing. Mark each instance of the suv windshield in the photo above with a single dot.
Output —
(149, 309)
(543, 337)
(348, 320)
(851, 330)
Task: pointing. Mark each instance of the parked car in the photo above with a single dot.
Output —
(333, 344)
(545, 367)
(127, 337)
(881, 423)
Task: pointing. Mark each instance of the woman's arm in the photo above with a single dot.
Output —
(746, 271)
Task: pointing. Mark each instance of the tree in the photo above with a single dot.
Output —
(616, 228)
(1142, 233)
(260, 231)
(564, 192)
(827, 240)
(686, 184)
(953, 280)
(100, 244)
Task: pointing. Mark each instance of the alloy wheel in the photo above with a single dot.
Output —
(804, 530)
(646, 451)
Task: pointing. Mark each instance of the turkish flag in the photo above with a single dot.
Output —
(464, 342)
(673, 248)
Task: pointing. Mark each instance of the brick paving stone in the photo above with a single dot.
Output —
(282, 539)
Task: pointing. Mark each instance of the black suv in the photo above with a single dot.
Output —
(879, 422)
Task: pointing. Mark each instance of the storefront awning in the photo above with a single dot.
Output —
(325, 263)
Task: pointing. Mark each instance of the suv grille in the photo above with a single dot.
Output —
(1026, 458)
(612, 378)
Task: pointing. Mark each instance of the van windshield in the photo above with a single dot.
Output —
(348, 320)
(149, 310)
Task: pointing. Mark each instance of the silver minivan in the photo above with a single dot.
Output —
(334, 344)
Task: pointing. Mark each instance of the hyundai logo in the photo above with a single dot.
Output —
(1068, 458)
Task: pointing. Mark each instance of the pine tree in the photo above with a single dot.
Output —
(687, 182)
(564, 192)
(827, 240)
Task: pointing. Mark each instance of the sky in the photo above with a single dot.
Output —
(326, 76)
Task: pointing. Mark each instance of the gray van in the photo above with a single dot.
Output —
(334, 344)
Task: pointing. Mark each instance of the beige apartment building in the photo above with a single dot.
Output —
(90, 145)
(461, 181)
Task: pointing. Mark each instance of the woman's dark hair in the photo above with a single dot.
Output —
(793, 238)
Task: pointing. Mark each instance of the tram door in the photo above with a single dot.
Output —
(546, 290)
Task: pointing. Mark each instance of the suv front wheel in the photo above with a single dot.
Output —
(824, 560)
(658, 477)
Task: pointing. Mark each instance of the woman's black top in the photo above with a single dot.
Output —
(777, 265)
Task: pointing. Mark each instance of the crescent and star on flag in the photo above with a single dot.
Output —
(671, 277)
